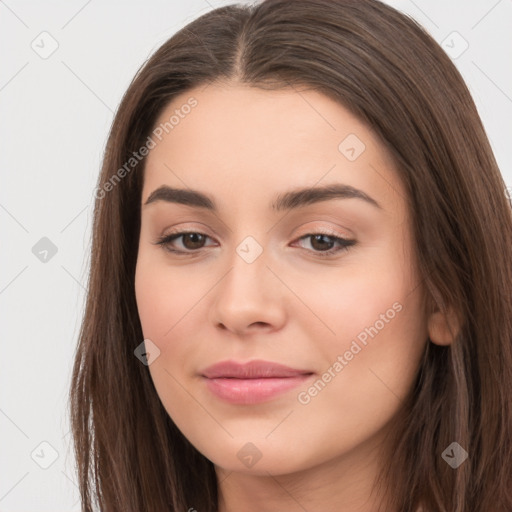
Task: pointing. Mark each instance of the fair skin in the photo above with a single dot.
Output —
(244, 146)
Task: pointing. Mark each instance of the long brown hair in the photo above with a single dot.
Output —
(384, 68)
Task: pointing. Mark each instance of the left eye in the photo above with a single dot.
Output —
(320, 240)
(193, 241)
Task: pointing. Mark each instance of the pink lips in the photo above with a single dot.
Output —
(252, 382)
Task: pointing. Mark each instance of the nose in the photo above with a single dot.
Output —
(249, 298)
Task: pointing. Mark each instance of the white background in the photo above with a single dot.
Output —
(56, 113)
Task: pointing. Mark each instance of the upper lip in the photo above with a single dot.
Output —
(255, 369)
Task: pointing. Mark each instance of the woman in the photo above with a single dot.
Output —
(300, 281)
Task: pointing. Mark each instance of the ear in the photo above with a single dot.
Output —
(443, 327)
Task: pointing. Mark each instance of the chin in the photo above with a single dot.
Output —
(259, 458)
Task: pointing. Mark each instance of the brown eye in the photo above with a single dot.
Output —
(323, 244)
(191, 242)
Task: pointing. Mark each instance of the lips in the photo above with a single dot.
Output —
(253, 382)
(256, 369)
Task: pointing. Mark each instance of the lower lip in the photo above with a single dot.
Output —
(253, 391)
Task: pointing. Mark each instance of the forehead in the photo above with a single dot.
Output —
(247, 140)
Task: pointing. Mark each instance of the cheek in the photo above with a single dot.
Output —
(372, 317)
(371, 363)
(171, 303)
(165, 299)
(361, 298)
(163, 295)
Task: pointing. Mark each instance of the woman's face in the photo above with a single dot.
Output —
(322, 281)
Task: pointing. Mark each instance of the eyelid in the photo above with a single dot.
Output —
(326, 231)
(202, 229)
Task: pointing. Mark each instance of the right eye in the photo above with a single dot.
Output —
(191, 241)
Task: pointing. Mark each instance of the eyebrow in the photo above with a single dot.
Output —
(289, 200)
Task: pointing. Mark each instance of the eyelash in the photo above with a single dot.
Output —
(166, 240)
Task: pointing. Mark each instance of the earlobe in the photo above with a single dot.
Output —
(443, 327)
